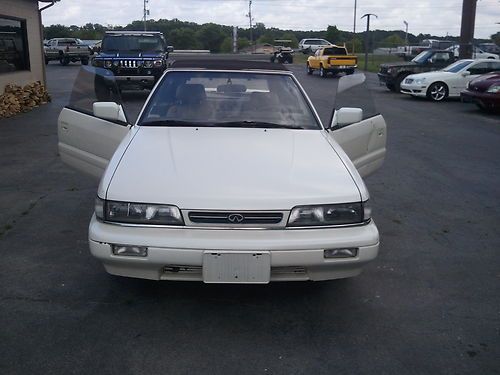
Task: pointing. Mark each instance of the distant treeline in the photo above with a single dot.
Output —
(218, 38)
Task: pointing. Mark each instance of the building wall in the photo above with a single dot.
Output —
(28, 10)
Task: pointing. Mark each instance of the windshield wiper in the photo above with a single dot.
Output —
(256, 124)
(175, 123)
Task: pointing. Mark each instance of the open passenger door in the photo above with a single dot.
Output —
(94, 123)
(356, 125)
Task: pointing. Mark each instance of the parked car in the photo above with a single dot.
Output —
(137, 59)
(484, 91)
(436, 43)
(409, 52)
(448, 82)
(66, 50)
(392, 74)
(227, 176)
(477, 53)
(311, 45)
(490, 48)
(332, 59)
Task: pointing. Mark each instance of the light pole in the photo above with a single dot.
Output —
(249, 15)
(406, 33)
(354, 28)
(145, 14)
(367, 15)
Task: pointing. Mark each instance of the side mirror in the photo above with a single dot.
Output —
(346, 116)
(465, 73)
(109, 111)
(170, 49)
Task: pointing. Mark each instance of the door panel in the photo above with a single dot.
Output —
(364, 142)
(87, 143)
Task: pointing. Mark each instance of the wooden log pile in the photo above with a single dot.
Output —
(17, 99)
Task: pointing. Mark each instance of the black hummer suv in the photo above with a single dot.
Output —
(392, 74)
(136, 58)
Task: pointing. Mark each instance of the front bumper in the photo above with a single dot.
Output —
(414, 89)
(484, 99)
(177, 253)
(385, 78)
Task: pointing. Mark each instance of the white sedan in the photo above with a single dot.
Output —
(227, 176)
(448, 82)
(477, 53)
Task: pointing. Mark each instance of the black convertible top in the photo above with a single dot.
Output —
(220, 64)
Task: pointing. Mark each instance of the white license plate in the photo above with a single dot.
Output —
(248, 267)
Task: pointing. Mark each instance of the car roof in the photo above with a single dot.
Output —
(226, 64)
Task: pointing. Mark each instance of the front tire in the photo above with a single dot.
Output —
(390, 86)
(322, 72)
(308, 69)
(399, 80)
(85, 61)
(64, 61)
(349, 71)
(437, 92)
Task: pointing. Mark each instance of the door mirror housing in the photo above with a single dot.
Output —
(465, 73)
(170, 49)
(109, 111)
(346, 116)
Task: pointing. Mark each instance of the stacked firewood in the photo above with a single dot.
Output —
(18, 99)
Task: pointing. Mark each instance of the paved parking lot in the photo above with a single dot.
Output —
(430, 304)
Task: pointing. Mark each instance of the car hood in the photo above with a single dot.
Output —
(398, 65)
(237, 169)
(484, 82)
(431, 75)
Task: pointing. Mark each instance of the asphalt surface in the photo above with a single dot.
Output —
(429, 304)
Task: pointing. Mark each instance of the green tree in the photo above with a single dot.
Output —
(183, 38)
(211, 36)
(290, 36)
(227, 45)
(333, 35)
(496, 38)
(392, 41)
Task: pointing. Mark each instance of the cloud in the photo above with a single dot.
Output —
(424, 16)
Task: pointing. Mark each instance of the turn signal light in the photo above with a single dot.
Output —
(129, 250)
(341, 253)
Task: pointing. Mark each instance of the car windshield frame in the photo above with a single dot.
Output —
(457, 66)
(240, 121)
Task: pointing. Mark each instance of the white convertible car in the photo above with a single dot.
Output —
(227, 176)
(448, 82)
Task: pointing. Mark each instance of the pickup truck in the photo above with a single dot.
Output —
(66, 50)
(392, 74)
(331, 59)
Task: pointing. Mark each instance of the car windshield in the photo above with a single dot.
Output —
(127, 43)
(457, 66)
(422, 57)
(229, 99)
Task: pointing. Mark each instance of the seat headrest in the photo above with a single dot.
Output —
(191, 93)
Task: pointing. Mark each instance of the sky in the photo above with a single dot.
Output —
(423, 16)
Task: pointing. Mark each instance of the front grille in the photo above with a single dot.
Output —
(408, 80)
(235, 218)
(128, 63)
(383, 70)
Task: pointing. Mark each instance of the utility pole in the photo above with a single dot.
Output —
(354, 28)
(250, 19)
(467, 29)
(145, 14)
(367, 15)
(406, 33)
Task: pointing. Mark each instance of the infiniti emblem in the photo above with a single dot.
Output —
(236, 218)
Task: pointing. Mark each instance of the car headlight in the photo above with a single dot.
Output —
(98, 63)
(494, 89)
(148, 64)
(108, 63)
(158, 63)
(138, 213)
(331, 214)
(419, 81)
